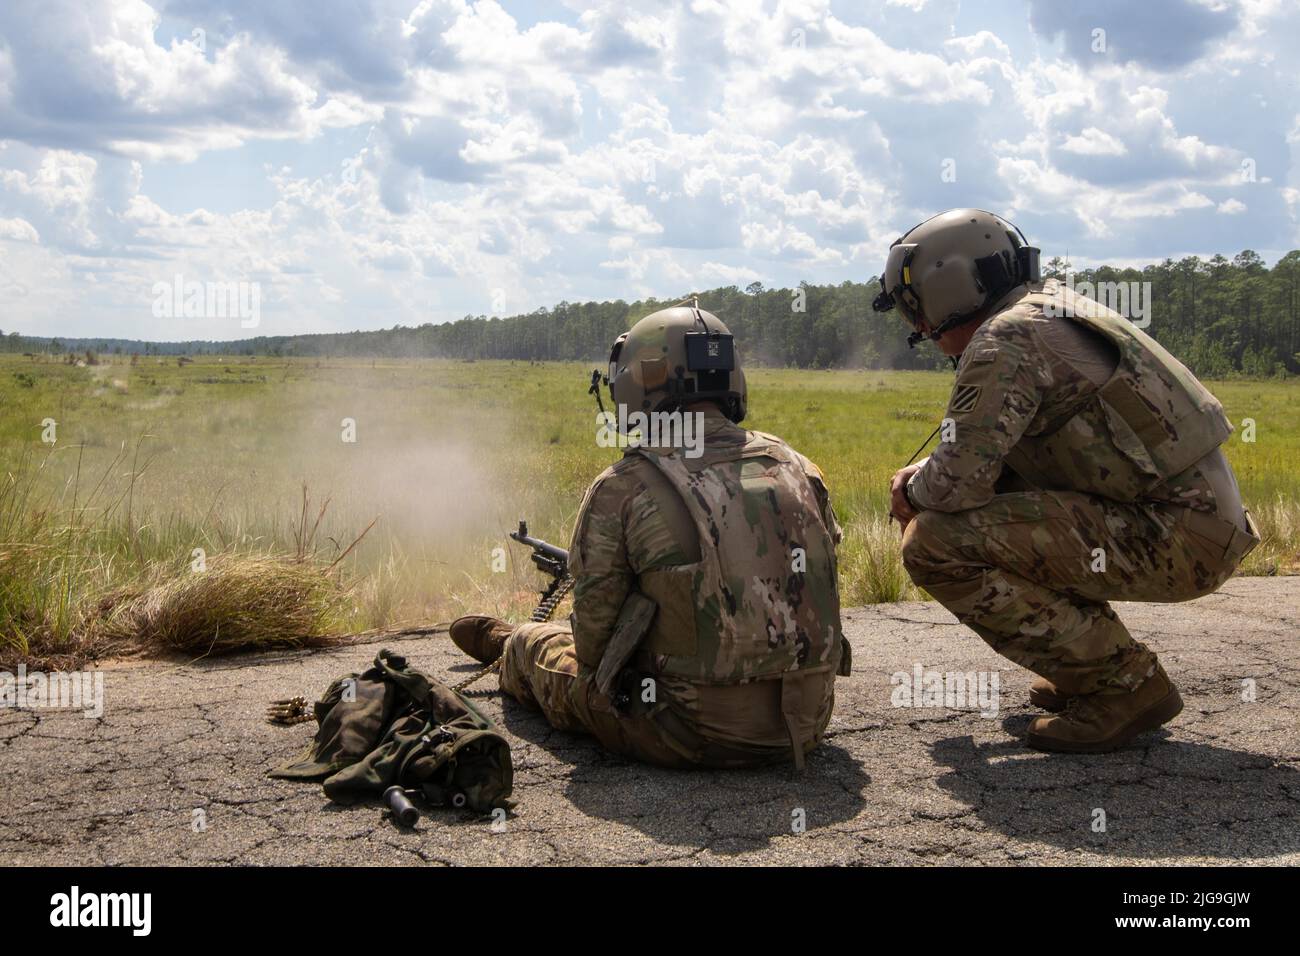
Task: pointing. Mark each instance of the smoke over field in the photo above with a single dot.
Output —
(152, 471)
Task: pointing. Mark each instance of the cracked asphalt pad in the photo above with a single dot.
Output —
(891, 785)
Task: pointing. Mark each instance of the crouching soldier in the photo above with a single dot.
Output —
(1083, 466)
(706, 622)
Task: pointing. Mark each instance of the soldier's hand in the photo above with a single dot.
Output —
(899, 506)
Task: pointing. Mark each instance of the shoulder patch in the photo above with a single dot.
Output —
(965, 398)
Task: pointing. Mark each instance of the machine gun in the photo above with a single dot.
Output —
(552, 561)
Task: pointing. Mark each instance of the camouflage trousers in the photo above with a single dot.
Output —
(1032, 574)
(540, 669)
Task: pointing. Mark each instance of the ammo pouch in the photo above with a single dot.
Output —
(634, 620)
(1236, 542)
(395, 725)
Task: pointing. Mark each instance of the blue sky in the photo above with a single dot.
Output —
(378, 162)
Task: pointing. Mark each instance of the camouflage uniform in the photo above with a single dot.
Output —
(746, 642)
(1061, 491)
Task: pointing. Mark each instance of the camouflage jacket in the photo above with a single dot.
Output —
(1017, 404)
(635, 531)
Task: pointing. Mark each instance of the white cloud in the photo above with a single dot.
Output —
(983, 43)
(19, 230)
(416, 160)
(1094, 142)
(720, 272)
(94, 76)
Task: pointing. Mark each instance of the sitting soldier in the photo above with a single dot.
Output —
(710, 574)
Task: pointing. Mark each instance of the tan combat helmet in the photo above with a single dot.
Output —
(952, 268)
(674, 357)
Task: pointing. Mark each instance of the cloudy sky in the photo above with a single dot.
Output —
(378, 162)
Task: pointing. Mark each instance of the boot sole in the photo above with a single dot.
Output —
(1157, 715)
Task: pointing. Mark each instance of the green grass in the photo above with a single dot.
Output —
(154, 460)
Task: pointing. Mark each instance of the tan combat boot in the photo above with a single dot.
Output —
(1098, 723)
(1043, 693)
(482, 638)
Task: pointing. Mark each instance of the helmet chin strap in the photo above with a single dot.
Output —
(936, 334)
(947, 325)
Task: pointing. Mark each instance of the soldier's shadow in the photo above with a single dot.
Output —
(726, 811)
(1156, 798)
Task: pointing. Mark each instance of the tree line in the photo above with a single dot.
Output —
(1220, 316)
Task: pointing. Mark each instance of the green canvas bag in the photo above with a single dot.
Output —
(394, 725)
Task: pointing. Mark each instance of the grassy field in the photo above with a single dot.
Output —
(238, 456)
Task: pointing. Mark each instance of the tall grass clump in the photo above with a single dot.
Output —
(237, 603)
(46, 556)
(80, 579)
(871, 566)
(1278, 552)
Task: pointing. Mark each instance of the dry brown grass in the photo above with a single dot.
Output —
(236, 604)
(1278, 520)
(78, 584)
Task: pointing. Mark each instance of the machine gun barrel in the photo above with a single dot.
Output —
(554, 561)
